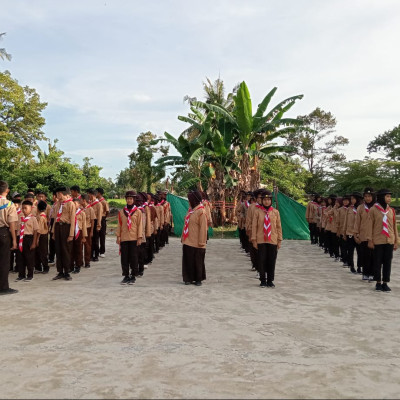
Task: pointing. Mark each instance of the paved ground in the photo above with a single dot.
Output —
(322, 333)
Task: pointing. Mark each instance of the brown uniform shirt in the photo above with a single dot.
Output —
(198, 227)
(160, 215)
(167, 212)
(341, 221)
(89, 212)
(362, 223)
(207, 208)
(106, 207)
(334, 216)
(67, 216)
(149, 223)
(42, 222)
(239, 215)
(257, 227)
(8, 214)
(350, 221)
(31, 226)
(329, 218)
(81, 219)
(374, 231)
(136, 230)
(249, 218)
(311, 211)
(98, 212)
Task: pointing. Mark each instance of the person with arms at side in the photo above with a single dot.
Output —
(98, 211)
(103, 225)
(79, 238)
(90, 217)
(42, 244)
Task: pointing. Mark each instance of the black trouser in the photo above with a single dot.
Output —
(350, 246)
(149, 249)
(166, 230)
(321, 233)
(242, 234)
(102, 235)
(5, 245)
(245, 241)
(334, 243)
(129, 258)
(327, 238)
(63, 247)
(13, 258)
(161, 237)
(366, 258)
(42, 253)
(383, 254)
(313, 232)
(26, 258)
(157, 241)
(52, 243)
(343, 249)
(193, 266)
(95, 241)
(141, 257)
(267, 254)
(254, 256)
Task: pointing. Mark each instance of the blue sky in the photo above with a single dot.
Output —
(111, 69)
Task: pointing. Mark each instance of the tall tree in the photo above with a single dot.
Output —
(316, 146)
(3, 52)
(388, 144)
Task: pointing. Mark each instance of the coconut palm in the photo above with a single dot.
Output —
(3, 53)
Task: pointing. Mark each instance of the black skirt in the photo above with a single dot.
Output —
(193, 267)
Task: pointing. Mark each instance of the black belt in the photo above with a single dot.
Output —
(3, 228)
(62, 223)
(28, 236)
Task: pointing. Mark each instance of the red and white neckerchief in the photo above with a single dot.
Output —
(186, 226)
(128, 214)
(21, 232)
(151, 203)
(77, 230)
(102, 199)
(366, 208)
(60, 209)
(247, 204)
(79, 197)
(93, 203)
(354, 209)
(267, 222)
(160, 203)
(19, 211)
(385, 226)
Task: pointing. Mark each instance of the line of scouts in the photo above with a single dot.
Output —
(34, 234)
(362, 223)
(144, 225)
(260, 233)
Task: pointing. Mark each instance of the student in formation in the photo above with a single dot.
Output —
(80, 235)
(207, 208)
(28, 237)
(148, 253)
(103, 224)
(266, 236)
(8, 238)
(42, 244)
(342, 228)
(383, 238)
(140, 200)
(160, 217)
(349, 231)
(98, 211)
(52, 245)
(248, 224)
(42, 196)
(322, 221)
(31, 197)
(129, 237)
(90, 217)
(361, 228)
(333, 214)
(63, 232)
(153, 217)
(75, 192)
(16, 201)
(194, 240)
(311, 215)
(328, 225)
(167, 217)
(240, 217)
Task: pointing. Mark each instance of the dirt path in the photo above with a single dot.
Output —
(322, 333)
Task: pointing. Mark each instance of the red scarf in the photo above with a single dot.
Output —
(354, 209)
(60, 209)
(19, 211)
(187, 218)
(267, 222)
(366, 208)
(93, 203)
(161, 202)
(102, 199)
(385, 226)
(128, 216)
(21, 232)
(77, 231)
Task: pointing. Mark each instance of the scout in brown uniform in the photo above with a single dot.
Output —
(148, 254)
(349, 231)
(28, 237)
(239, 217)
(341, 228)
(13, 253)
(160, 218)
(90, 217)
(41, 196)
(98, 211)
(79, 238)
(322, 222)
(42, 244)
(52, 245)
(360, 232)
(140, 200)
(75, 192)
(311, 211)
(167, 217)
(63, 232)
(248, 225)
(8, 239)
(266, 236)
(329, 224)
(129, 237)
(153, 223)
(103, 225)
(334, 213)
(383, 237)
(194, 240)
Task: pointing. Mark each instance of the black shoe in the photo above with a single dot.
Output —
(8, 291)
(95, 259)
(87, 266)
(132, 280)
(188, 283)
(45, 271)
(345, 264)
(67, 277)
(28, 279)
(20, 278)
(359, 271)
(353, 270)
(385, 287)
(378, 287)
(58, 276)
(198, 283)
(125, 280)
(263, 284)
(37, 271)
(76, 271)
(270, 284)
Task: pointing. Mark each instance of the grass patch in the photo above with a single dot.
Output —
(225, 232)
(117, 203)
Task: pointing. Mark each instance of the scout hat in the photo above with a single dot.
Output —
(265, 193)
(357, 195)
(383, 192)
(369, 190)
(130, 193)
